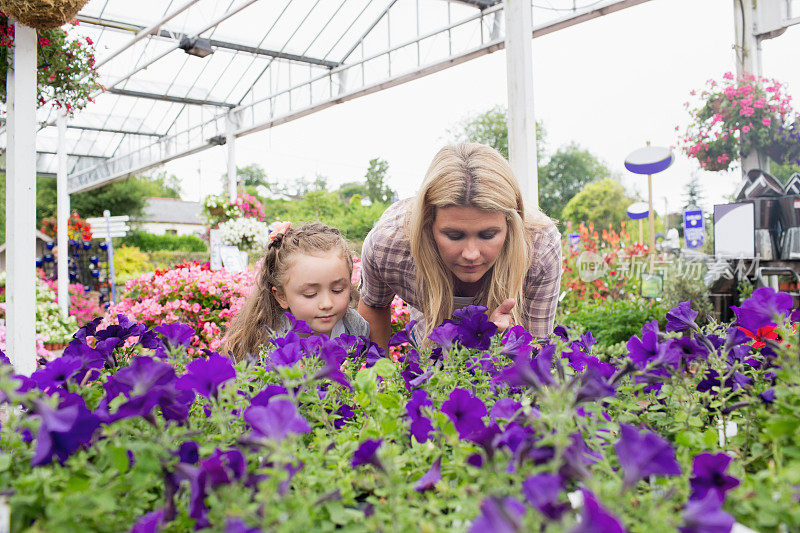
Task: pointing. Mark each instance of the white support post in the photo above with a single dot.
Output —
(748, 61)
(521, 119)
(21, 204)
(62, 216)
(230, 144)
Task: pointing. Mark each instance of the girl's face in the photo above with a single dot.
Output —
(316, 290)
(469, 241)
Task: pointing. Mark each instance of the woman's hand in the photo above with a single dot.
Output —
(502, 315)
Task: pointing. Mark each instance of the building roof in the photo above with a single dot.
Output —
(172, 211)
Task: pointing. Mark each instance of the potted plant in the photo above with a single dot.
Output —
(43, 14)
(736, 116)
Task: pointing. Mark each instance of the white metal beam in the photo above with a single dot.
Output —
(521, 120)
(21, 204)
(62, 217)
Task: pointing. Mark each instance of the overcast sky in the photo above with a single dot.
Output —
(610, 85)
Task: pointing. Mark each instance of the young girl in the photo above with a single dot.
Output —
(306, 271)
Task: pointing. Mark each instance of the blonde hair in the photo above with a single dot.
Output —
(261, 313)
(471, 175)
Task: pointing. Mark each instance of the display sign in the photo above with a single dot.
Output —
(232, 259)
(735, 231)
(694, 231)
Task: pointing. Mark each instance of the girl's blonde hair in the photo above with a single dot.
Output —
(261, 313)
(471, 175)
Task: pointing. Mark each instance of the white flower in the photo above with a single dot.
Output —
(247, 233)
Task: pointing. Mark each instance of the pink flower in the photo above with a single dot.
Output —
(728, 76)
(746, 111)
(745, 129)
(766, 121)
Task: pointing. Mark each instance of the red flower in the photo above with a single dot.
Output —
(761, 335)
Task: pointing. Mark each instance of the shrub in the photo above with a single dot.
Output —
(150, 243)
(130, 262)
(615, 321)
(164, 259)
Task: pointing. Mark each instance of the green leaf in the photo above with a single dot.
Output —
(710, 437)
(695, 421)
(118, 458)
(385, 368)
(781, 427)
(77, 483)
(389, 402)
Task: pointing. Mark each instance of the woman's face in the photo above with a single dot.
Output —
(469, 241)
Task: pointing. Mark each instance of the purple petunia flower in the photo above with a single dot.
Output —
(768, 396)
(576, 456)
(56, 373)
(286, 355)
(595, 518)
(176, 334)
(499, 515)
(594, 385)
(4, 360)
(516, 342)
(505, 409)
(345, 413)
(708, 476)
(237, 525)
(404, 335)
(91, 360)
(706, 516)
(275, 421)
(527, 372)
(333, 355)
(475, 330)
(762, 308)
(149, 523)
(562, 333)
(465, 410)
(205, 376)
(188, 452)
(644, 454)
(429, 480)
(681, 318)
(421, 426)
(291, 470)
(62, 430)
(366, 454)
(124, 328)
(445, 335)
(263, 397)
(222, 468)
(542, 491)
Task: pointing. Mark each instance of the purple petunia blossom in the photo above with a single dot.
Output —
(205, 376)
(445, 335)
(287, 355)
(62, 430)
(176, 334)
(542, 491)
(275, 421)
(594, 385)
(595, 518)
(237, 525)
(222, 468)
(56, 373)
(516, 342)
(345, 413)
(706, 516)
(149, 523)
(429, 480)
(534, 373)
(263, 397)
(91, 360)
(708, 476)
(333, 355)
(124, 328)
(465, 410)
(499, 515)
(576, 456)
(762, 308)
(4, 360)
(421, 426)
(644, 454)
(562, 333)
(768, 396)
(505, 409)
(366, 454)
(298, 326)
(188, 452)
(291, 470)
(681, 318)
(475, 330)
(404, 335)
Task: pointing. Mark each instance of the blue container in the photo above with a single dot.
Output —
(49, 245)
(39, 262)
(95, 273)
(49, 258)
(87, 245)
(103, 245)
(94, 259)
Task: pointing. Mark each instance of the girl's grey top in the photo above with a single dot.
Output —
(351, 324)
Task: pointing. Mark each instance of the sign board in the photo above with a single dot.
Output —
(232, 259)
(652, 285)
(735, 230)
(693, 228)
(102, 226)
(215, 242)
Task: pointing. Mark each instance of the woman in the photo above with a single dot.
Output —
(465, 239)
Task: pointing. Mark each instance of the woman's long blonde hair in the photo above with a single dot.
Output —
(471, 175)
(261, 313)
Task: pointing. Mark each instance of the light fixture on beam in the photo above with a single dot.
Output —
(217, 140)
(196, 46)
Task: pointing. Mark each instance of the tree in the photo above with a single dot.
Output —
(347, 190)
(784, 172)
(567, 172)
(377, 189)
(491, 127)
(602, 202)
(252, 175)
(693, 192)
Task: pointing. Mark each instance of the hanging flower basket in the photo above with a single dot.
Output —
(42, 14)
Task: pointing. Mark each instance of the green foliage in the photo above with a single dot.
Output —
(168, 258)
(693, 193)
(615, 321)
(375, 182)
(603, 202)
(567, 172)
(784, 172)
(251, 175)
(491, 127)
(150, 242)
(130, 262)
(347, 190)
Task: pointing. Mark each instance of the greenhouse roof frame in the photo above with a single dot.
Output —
(271, 63)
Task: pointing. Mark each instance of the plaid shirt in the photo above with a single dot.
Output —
(387, 268)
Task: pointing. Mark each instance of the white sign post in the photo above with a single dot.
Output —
(106, 228)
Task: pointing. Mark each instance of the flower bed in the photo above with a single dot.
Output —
(693, 429)
(190, 293)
